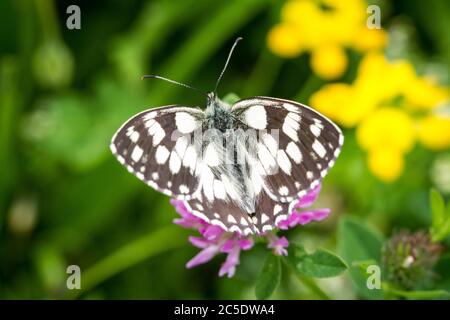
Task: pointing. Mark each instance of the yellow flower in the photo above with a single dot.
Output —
(386, 164)
(329, 62)
(342, 103)
(434, 132)
(305, 16)
(283, 40)
(325, 28)
(424, 94)
(383, 80)
(370, 39)
(387, 128)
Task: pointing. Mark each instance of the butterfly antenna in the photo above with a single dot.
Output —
(152, 76)
(226, 63)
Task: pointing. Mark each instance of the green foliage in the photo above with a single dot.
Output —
(319, 264)
(440, 223)
(269, 278)
(357, 242)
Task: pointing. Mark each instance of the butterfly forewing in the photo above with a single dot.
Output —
(296, 145)
(157, 147)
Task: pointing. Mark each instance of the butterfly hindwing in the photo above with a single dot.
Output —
(296, 145)
(231, 217)
(156, 145)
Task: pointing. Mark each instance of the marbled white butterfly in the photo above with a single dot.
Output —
(241, 166)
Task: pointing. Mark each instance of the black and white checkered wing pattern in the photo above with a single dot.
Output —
(296, 145)
(156, 146)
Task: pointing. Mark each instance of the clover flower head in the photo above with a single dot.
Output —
(213, 240)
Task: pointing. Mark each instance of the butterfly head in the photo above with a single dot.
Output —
(211, 98)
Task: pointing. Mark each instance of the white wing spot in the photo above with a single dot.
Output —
(136, 154)
(121, 159)
(277, 209)
(290, 128)
(184, 189)
(231, 219)
(190, 158)
(331, 163)
(315, 130)
(318, 148)
(266, 158)
(185, 122)
(294, 152)
(235, 228)
(174, 162)
(271, 143)
(244, 221)
(149, 115)
(290, 107)
(181, 145)
(283, 190)
(267, 227)
(283, 161)
(309, 175)
(216, 215)
(161, 155)
(155, 176)
(157, 132)
(134, 136)
(255, 220)
(219, 223)
(140, 176)
(280, 218)
(208, 183)
(256, 117)
(264, 218)
(294, 116)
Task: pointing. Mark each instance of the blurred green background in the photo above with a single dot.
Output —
(65, 200)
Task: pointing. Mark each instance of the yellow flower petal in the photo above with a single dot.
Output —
(329, 62)
(424, 94)
(331, 99)
(386, 164)
(434, 132)
(370, 39)
(308, 19)
(387, 128)
(341, 103)
(283, 40)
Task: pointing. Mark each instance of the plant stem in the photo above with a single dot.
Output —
(150, 245)
(313, 287)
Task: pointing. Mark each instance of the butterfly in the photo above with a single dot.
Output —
(242, 166)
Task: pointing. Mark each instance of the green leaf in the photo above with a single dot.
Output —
(437, 209)
(440, 224)
(358, 242)
(231, 98)
(319, 264)
(269, 278)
